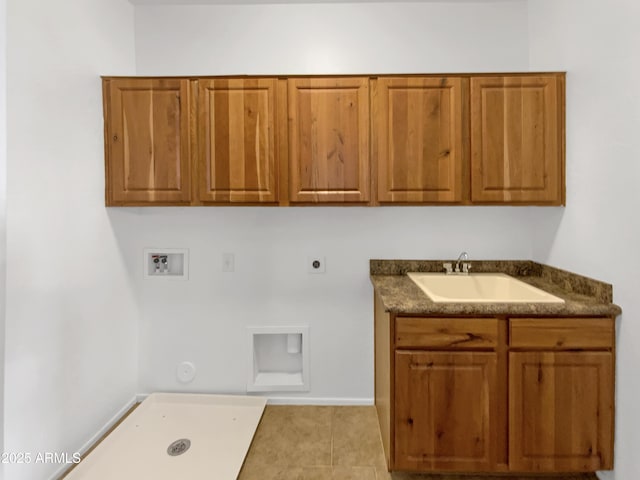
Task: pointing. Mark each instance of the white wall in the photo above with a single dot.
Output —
(71, 318)
(74, 268)
(599, 231)
(331, 38)
(3, 201)
(204, 320)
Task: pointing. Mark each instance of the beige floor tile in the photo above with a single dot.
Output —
(300, 442)
(317, 473)
(382, 473)
(356, 437)
(293, 436)
(274, 472)
(354, 473)
(264, 472)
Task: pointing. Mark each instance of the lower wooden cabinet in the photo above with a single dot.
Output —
(560, 411)
(495, 394)
(444, 410)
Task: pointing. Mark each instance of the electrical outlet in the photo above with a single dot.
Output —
(316, 264)
(228, 262)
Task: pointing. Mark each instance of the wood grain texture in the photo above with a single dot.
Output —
(419, 130)
(445, 406)
(502, 397)
(562, 333)
(517, 149)
(560, 411)
(448, 333)
(329, 140)
(418, 139)
(283, 141)
(147, 145)
(238, 154)
(548, 408)
(383, 353)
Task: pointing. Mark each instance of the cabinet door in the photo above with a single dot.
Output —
(516, 139)
(147, 141)
(445, 411)
(560, 411)
(329, 140)
(420, 131)
(237, 144)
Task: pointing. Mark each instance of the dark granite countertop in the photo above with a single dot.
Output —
(582, 295)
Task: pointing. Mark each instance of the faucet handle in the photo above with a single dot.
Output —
(448, 268)
(466, 267)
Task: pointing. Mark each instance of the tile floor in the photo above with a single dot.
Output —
(329, 443)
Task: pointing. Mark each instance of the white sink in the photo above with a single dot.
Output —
(479, 288)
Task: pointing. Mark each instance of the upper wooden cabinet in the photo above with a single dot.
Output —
(460, 139)
(147, 141)
(329, 140)
(517, 133)
(421, 140)
(238, 152)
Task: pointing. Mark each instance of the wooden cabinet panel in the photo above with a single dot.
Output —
(560, 411)
(147, 141)
(383, 374)
(329, 140)
(485, 139)
(450, 333)
(465, 397)
(517, 153)
(562, 333)
(421, 136)
(238, 144)
(445, 406)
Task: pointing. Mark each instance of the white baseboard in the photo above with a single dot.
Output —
(292, 400)
(140, 397)
(89, 443)
(318, 401)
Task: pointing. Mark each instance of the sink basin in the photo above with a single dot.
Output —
(479, 288)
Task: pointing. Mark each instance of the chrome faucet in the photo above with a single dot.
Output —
(465, 265)
(448, 267)
(463, 256)
(450, 270)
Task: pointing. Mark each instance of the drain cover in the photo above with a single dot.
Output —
(178, 447)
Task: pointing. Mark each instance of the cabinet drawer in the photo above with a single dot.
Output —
(450, 333)
(562, 333)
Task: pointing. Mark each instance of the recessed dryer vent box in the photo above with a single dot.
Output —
(166, 263)
(278, 359)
